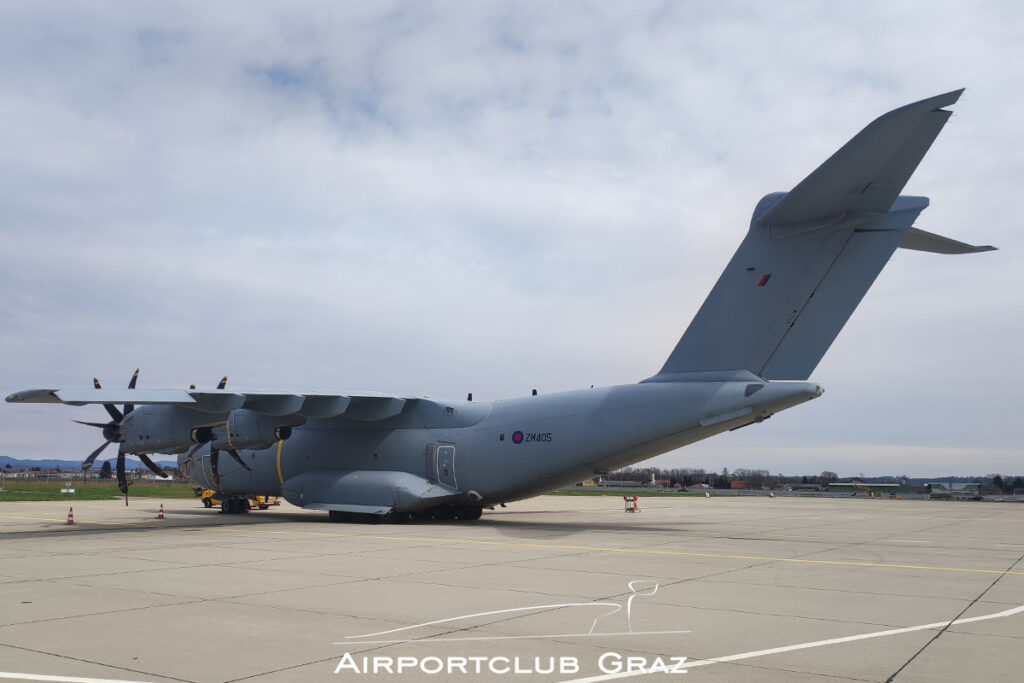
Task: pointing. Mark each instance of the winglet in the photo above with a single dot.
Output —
(869, 171)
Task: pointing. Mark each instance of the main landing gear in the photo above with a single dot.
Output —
(438, 513)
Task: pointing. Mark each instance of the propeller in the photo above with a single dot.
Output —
(113, 434)
(215, 452)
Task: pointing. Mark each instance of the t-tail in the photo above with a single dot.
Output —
(812, 253)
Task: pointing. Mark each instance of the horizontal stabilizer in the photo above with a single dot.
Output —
(869, 171)
(919, 240)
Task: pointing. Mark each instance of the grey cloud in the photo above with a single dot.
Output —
(435, 198)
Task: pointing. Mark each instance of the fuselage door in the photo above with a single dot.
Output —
(432, 463)
(446, 465)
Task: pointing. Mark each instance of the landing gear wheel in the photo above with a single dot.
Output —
(467, 512)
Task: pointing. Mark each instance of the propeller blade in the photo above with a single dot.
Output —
(195, 449)
(122, 480)
(223, 382)
(114, 413)
(234, 454)
(129, 407)
(87, 463)
(101, 425)
(112, 410)
(152, 465)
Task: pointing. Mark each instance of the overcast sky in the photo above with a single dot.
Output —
(437, 198)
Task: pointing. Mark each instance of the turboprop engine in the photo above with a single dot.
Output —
(164, 429)
(250, 429)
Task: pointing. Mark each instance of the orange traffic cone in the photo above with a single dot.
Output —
(71, 515)
(160, 515)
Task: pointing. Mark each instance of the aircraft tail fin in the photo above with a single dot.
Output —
(812, 253)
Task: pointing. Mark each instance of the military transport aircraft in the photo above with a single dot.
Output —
(807, 260)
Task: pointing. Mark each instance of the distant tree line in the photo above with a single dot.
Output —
(1006, 484)
(688, 476)
(758, 479)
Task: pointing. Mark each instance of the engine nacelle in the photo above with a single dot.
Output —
(249, 429)
(164, 429)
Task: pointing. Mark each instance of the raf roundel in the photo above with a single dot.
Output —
(517, 437)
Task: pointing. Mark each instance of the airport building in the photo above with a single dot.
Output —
(945, 489)
(857, 486)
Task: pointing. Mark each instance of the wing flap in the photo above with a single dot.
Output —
(322, 407)
(274, 404)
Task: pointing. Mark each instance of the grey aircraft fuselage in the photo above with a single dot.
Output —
(497, 452)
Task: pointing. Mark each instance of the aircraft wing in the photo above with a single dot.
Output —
(357, 405)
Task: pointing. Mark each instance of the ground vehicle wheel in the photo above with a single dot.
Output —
(263, 507)
(207, 503)
(226, 507)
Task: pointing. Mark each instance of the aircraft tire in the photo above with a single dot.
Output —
(442, 512)
(467, 512)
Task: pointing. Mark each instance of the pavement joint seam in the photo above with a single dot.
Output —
(950, 623)
(186, 601)
(90, 661)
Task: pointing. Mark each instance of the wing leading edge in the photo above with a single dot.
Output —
(359, 405)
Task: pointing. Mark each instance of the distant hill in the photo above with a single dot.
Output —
(73, 465)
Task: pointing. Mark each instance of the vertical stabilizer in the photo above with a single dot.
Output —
(812, 253)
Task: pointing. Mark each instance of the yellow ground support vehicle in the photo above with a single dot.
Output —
(235, 504)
